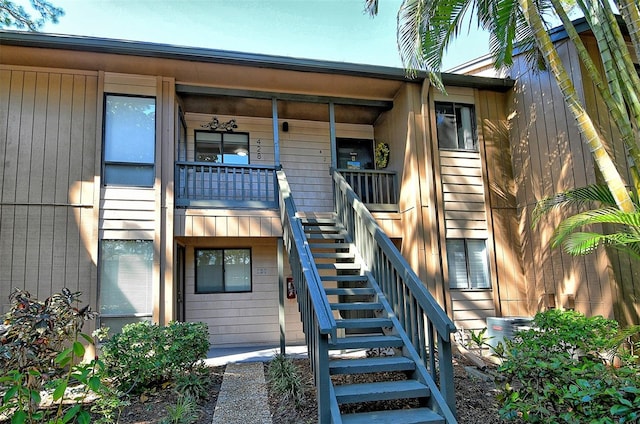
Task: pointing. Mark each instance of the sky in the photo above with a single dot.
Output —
(333, 30)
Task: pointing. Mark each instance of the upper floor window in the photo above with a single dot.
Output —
(231, 148)
(129, 140)
(468, 264)
(456, 126)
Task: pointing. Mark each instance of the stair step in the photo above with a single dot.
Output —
(317, 221)
(384, 390)
(332, 245)
(367, 365)
(314, 228)
(351, 291)
(365, 342)
(364, 323)
(334, 255)
(326, 236)
(357, 306)
(344, 278)
(339, 266)
(405, 416)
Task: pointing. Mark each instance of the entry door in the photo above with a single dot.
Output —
(354, 153)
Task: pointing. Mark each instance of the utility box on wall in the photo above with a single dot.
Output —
(501, 328)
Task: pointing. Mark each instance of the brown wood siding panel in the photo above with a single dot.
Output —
(549, 157)
(227, 223)
(463, 191)
(49, 152)
(623, 270)
(507, 274)
(471, 308)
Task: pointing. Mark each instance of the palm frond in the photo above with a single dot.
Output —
(426, 28)
(410, 27)
(371, 7)
(583, 243)
(502, 20)
(581, 196)
(630, 221)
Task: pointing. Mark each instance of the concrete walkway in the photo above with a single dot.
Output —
(243, 395)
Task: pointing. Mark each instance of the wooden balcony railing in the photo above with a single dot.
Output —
(216, 185)
(378, 190)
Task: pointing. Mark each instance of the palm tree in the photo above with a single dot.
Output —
(426, 28)
(625, 233)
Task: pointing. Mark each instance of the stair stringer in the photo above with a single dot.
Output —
(436, 400)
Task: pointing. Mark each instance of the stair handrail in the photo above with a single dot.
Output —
(380, 254)
(318, 322)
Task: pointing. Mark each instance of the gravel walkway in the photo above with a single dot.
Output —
(243, 395)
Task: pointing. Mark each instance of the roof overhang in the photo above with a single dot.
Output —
(235, 82)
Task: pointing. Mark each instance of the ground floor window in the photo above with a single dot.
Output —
(223, 270)
(468, 264)
(126, 276)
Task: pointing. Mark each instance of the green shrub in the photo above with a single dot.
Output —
(40, 349)
(286, 380)
(145, 354)
(561, 371)
(194, 384)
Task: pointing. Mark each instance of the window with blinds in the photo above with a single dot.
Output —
(129, 141)
(223, 270)
(126, 277)
(468, 264)
(456, 126)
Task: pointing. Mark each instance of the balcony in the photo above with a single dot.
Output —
(216, 185)
(378, 190)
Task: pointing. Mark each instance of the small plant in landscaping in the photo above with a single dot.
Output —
(185, 411)
(561, 370)
(194, 384)
(286, 380)
(108, 406)
(145, 354)
(41, 349)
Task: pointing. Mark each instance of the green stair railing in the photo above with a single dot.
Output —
(425, 322)
(317, 319)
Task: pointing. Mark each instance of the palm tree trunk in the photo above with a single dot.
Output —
(631, 16)
(602, 159)
(616, 109)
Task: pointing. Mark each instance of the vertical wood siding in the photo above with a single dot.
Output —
(625, 274)
(549, 157)
(510, 294)
(48, 150)
(243, 318)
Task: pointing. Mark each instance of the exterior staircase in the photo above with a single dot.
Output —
(356, 295)
(369, 339)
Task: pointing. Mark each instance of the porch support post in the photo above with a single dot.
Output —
(281, 314)
(276, 131)
(332, 134)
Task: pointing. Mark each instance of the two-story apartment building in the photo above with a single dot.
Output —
(144, 175)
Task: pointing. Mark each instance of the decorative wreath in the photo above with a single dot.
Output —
(382, 155)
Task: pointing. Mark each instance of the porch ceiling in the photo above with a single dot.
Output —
(287, 109)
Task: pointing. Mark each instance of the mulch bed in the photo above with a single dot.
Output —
(475, 398)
